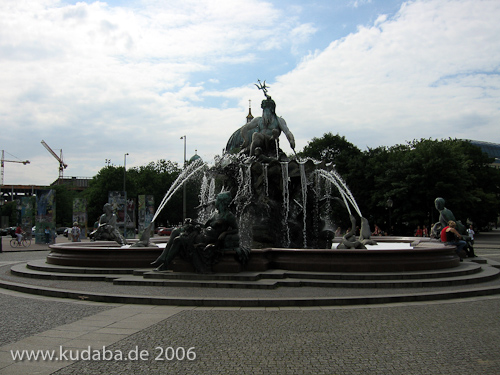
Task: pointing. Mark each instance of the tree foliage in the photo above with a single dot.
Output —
(154, 179)
(64, 205)
(332, 149)
(413, 175)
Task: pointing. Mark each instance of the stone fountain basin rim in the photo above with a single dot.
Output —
(427, 249)
(427, 255)
(113, 246)
(405, 239)
(99, 245)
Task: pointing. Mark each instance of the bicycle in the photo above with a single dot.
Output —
(25, 241)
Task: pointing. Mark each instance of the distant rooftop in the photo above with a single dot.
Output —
(76, 183)
(492, 149)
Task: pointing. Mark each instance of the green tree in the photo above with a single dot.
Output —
(413, 175)
(154, 179)
(109, 178)
(10, 210)
(331, 149)
(349, 162)
(64, 204)
(416, 173)
(482, 203)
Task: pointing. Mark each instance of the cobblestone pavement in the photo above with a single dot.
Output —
(445, 337)
(24, 317)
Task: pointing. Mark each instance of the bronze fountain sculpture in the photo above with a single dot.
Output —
(260, 209)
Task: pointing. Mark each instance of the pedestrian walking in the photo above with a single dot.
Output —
(75, 232)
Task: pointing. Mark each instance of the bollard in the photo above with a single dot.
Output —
(1, 241)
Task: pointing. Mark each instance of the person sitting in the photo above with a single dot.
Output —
(445, 216)
(419, 232)
(450, 236)
(425, 231)
(377, 231)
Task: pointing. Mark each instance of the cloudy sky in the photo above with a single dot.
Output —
(101, 79)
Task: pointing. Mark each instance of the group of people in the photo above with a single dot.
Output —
(47, 234)
(357, 231)
(377, 231)
(453, 232)
(451, 236)
(421, 232)
(20, 233)
(448, 229)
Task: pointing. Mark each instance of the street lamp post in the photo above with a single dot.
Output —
(125, 192)
(1, 211)
(184, 185)
(389, 204)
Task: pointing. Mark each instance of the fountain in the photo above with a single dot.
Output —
(282, 209)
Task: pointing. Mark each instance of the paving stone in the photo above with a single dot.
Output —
(439, 337)
(449, 338)
(24, 317)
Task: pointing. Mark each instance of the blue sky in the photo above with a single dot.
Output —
(101, 79)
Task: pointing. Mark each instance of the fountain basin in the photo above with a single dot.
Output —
(413, 255)
(354, 260)
(102, 254)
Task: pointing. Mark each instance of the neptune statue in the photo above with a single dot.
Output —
(260, 136)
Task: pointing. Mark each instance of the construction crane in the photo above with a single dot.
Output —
(11, 161)
(62, 165)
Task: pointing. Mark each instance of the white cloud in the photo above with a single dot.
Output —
(98, 80)
(429, 71)
(358, 3)
(301, 35)
(91, 78)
